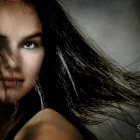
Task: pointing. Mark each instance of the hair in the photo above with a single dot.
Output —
(77, 80)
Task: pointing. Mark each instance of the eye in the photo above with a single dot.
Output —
(30, 45)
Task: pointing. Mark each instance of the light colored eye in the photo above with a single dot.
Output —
(30, 45)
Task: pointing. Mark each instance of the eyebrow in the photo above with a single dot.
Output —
(39, 34)
(4, 40)
(2, 37)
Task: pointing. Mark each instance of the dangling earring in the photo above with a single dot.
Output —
(38, 89)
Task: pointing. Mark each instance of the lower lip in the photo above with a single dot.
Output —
(10, 84)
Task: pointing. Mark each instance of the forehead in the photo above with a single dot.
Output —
(16, 7)
(16, 16)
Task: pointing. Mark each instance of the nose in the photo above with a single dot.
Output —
(12, 63)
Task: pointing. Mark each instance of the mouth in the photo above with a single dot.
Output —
(11, 82)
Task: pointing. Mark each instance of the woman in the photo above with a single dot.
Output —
(40, 48)
(26, 53)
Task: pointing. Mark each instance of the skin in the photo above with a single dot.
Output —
(48, 125)
(21, 30)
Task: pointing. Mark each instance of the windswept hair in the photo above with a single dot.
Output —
(78, 80)
(76, 76)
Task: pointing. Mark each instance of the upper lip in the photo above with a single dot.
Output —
(10, 79)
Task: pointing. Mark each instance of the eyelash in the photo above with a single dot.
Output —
(31, 45)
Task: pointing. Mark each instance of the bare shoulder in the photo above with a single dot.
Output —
(48, 124)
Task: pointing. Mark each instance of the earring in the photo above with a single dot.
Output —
(38, 89)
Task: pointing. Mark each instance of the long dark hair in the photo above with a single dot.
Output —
(78, 80)
(79, 75)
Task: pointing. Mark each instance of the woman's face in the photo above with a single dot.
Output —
(21, 32)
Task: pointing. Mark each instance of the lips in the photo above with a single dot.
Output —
(11, 82)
